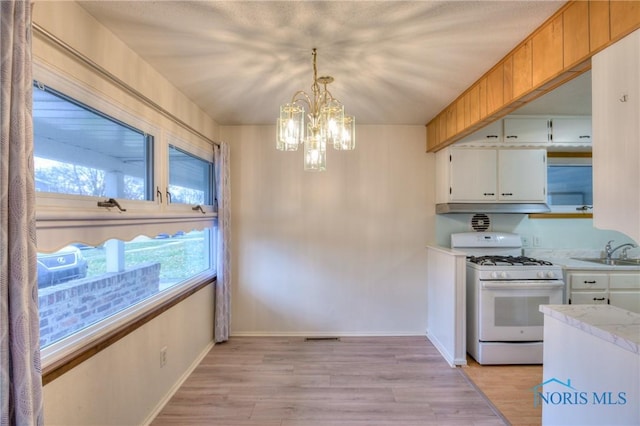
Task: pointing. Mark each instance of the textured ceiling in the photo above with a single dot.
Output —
(394, 62)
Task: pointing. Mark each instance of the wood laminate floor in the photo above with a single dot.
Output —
(356, 381)
(508, 387)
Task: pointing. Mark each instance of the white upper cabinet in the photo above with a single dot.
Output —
(527, 130)
(571, 130)
(473, 175)
(522, 175)
(489, 135)
(616, 136)
(467, 175)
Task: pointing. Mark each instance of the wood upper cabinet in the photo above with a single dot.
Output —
(598, 24)
(547, 51)
(460, 114)
(451, 120)
(495, 89)
(551, 55)
(508, 79)
(624, 15)
(482, 97)
(575, 21)
(522, 69)
(473, 102)
(433, 134)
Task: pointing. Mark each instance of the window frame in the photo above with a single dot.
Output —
(56, 214)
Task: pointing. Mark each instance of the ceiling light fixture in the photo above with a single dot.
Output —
(326, 124)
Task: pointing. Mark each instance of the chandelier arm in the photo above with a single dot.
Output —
(301, 96)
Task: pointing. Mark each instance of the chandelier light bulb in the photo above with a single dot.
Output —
(327, 123)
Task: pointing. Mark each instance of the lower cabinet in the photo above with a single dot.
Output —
(624, 291)
(617, 288)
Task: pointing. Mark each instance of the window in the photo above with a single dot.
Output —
(78, 150)
(190, 178)
(97, 262)
(569, 184)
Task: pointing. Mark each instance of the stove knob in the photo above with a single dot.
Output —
(551, 274)
(503, 275)
(495, 274)
(541, 274)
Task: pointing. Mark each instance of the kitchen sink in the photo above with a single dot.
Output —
(612, 262)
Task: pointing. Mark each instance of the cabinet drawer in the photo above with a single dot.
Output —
(589, 281)
(626, 281)
(589, 298)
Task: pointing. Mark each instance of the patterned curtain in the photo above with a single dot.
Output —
(20, 372)
(222, 314)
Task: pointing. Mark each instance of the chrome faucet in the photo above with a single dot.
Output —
(609, 251)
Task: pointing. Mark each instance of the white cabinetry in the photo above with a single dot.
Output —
(522, 175)
(616, 136)
(617, 288)
(527, 130)
(624, 291)
(488, 135)
(473, 175)
(571, 130)
(490, 175)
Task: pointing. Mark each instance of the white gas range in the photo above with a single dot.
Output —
(504, 292)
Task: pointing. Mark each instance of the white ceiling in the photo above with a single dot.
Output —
(394, 62)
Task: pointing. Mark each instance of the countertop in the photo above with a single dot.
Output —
(609, 323)
(567, 259)
(569, 263)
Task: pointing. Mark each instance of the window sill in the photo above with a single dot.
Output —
(59, 367)
(561, 216)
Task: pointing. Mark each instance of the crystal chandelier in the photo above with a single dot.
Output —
(326, 123)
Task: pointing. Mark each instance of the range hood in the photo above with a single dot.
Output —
(492, 208)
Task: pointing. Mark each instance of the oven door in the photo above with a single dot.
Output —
(509, 310)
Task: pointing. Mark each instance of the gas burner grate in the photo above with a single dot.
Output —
(507, 261)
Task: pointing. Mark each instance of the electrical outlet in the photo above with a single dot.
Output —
(536, 241)
(526, 241)
(163, 357)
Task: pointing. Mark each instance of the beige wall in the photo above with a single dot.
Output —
(124, 384)
(334, 253)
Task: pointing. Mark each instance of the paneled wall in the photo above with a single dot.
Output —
(336, 253)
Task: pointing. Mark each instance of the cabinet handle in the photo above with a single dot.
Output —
(585, 137)
(512, 137)
(506, 193)
(492, 136)
(489, 193)
(589, 282)
(598, 298)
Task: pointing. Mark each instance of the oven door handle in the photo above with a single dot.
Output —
(522, 285)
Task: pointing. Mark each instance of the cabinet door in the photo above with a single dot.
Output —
(624, 281)
(571, 130)
(491, 134)
(616, 129)
(589, 298)
(629, 300)
(522, 175)
(473, 174)
(526, 130)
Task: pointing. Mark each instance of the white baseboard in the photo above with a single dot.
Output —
(325, 334)
(154, 413)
